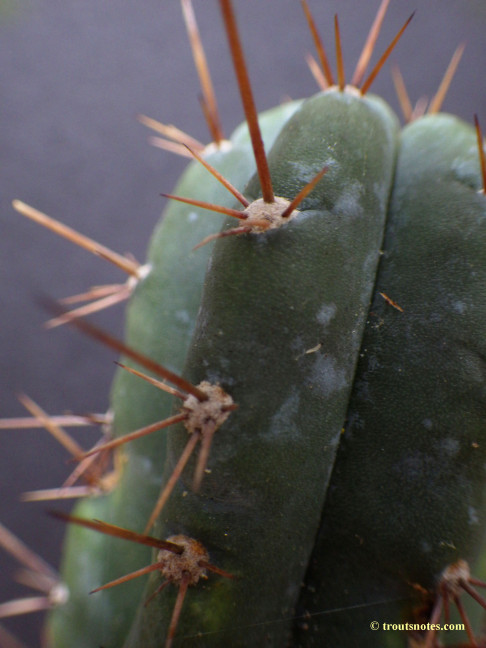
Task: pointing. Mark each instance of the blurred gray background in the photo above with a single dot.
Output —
(73, 77)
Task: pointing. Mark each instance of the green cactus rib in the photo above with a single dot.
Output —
(160, 321)
(365, 521)
(351, 338)
(407, 494)
(279, 328)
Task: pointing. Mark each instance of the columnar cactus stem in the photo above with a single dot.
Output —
(327, 357)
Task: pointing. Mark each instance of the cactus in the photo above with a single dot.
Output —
(330, 365)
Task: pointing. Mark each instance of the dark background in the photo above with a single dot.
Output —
(73, 76)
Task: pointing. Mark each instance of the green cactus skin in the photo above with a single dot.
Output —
(351, 475)
(407, 495)
(280, 328)
(160, 321)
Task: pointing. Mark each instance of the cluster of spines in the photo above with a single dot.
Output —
(92, 465)
(35, 574)
(455, 580)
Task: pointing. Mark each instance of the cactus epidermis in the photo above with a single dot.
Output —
(160, 322)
